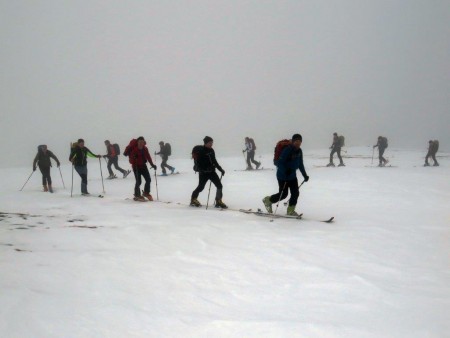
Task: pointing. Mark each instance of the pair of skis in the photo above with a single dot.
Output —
(274, 216)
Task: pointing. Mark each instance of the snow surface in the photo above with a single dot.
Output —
(112, 267)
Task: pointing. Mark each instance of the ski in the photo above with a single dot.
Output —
(269, 215)
(89, 195)
(259, 169)
(169, 174)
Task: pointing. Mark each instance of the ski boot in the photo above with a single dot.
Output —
(85, 194)
(291, 211)
(220, 204)
(139, 199)
(195, 203)
(147, 195)
(45, 188)
(50, 189)
(249, 168)
(126, 173)
(436, 165)
(426, 165)
(258, 165)
(267, 204)
(172, 170)
(341, 164)
(331, 164)
(164, 174)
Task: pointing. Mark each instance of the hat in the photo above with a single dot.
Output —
(140, 138)
(161, 142)
(296, 137)
(80, 140)
(207, 139)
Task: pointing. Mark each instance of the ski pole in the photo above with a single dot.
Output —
(373, 152)
(71, 188)
(156, 181)
(281, 194)
(101, 173)
(209, 191)
(27, 180)
(244, 157)
(61, 177)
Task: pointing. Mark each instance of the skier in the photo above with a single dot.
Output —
(78, 157)
(336, 148)
(113, 159)
(42, 159)
(165, 151)
(382, 144)
(290, 160)
(433, 147)
(206, 164)
(138, 154)
(250, 148)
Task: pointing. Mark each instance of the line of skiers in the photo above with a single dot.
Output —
(288, 157)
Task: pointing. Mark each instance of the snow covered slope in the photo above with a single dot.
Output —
(111, 267)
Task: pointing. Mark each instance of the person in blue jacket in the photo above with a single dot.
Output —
(290, 160)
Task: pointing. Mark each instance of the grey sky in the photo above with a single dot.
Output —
(180, 70)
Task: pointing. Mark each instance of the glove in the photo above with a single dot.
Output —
(243, 151)
(222, 171)
(154, 166)
(98, 156)
(58, 165)
(306, 178)
(34, 168)
(288, 171)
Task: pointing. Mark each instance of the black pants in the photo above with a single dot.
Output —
(138, 174)
(164, 164)
(283, 187)
(83, 172)
(205, 177)
(380, 155)
(336, 150)
(46, 179)
(114, 161)
(433, 156)
(251, 157)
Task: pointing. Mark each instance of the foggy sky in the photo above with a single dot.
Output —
(179, 70)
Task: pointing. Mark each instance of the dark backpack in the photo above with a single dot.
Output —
(253, 144)
(435, 146)
(384, 142)
(168, 149)
(197, 152)
(279, 149)
(341, 140)
(116, 149)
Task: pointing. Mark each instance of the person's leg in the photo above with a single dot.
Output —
(44, 178)
(82, 171)
(115, 161)
(249, 166)
(434, 159)
(331, 154)
(110, 163)
(252, 158)
(282, 192)
(164, 164)
(148, 180)
(339, 155)
(218, 184)
(202, 179)
(293, 188)
(137, 185)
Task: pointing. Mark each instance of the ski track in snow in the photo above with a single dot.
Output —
(91, 267)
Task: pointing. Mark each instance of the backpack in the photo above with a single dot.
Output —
(435, 146)
(129, 148)
(253, 144)
(341, 140)
(196, 154)
(116, 149)
(279, 149)
(168, 149)
(384, 142)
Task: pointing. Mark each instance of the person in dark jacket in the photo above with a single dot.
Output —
(78, 157)
(250, 148)
(382, 145)
(165, 151)
(290, 160)
(433, 147)
(139, 155)
(42, 160)
(113, 159)
(336, 148)
(206, 165)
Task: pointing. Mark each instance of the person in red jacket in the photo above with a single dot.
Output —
(139, 155)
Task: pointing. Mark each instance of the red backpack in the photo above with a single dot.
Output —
(129, 148)
(279, 149)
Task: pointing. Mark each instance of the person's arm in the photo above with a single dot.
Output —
(53, 156)
(73, 155)
(35, 161)
(149, 158)
(90, 153)
(302, 167)
(215, 163)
